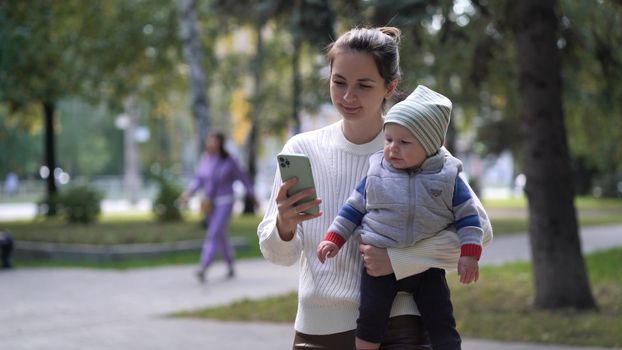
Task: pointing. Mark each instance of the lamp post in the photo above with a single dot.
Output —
(132, 135)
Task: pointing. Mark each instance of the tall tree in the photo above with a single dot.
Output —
(190, 35)
(308, 21)
(253, 13)
(56, 50)
(559, 269)
(591, 34)
(312, 22)
(257, 73)
(33, 67)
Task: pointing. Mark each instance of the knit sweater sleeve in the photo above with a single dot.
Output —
(441, 250)
(272, 246)
(349, 216)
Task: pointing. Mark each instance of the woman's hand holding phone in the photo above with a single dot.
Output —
(290, 212)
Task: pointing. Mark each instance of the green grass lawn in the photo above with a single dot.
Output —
(508, 216)
(580, 203)
(497, 307)
(123, 229)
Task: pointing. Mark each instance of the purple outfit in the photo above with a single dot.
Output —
(216, 175)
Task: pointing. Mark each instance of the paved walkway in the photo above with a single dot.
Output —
(101, 310)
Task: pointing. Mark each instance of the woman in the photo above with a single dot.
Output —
(216, 173)
(364, 73)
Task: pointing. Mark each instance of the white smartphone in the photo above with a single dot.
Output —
(297, 165)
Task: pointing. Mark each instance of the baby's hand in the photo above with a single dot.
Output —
(326, 249)
(468, 269)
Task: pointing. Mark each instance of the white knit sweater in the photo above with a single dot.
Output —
(328, 294)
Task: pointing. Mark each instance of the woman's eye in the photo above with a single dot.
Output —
(338, 82)
(366, 86)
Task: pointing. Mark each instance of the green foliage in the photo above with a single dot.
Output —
(20, 145)
(271, 309)
(80, 204)
(109, 50)
(130, 229)
(165, 205)
(92, 155)
(48, 206)
(102, 52)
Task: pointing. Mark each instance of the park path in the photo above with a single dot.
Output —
(101, 309)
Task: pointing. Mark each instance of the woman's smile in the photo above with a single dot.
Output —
(350, 109)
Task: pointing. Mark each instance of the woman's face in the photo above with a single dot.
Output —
(356, 87)
(212, 144)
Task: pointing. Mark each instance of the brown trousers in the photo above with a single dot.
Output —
(405, 332)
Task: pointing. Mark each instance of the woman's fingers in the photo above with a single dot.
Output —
(282, 194)
(288, 207)
(376, 260)
(289, 215)
(302, 207)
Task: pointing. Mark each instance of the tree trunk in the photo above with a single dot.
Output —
(193, 55)
(559, 269)
(296, 89)
(50, 155)
(251, 142)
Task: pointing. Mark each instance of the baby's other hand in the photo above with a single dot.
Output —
(326, 249)
(468, 269)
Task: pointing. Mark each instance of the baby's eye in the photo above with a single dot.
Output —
(366, 86)
(337, 82)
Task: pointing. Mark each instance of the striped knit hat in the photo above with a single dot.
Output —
(425, 113)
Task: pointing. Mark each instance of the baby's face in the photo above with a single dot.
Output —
(401, 149)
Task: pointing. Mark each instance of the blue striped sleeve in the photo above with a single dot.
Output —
(461, 192)
(351, 214)
(471, 220)
(360, 188)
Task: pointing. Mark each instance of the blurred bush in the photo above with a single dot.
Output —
(165, 205)
(80, 204)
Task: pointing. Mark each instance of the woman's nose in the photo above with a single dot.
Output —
(349, 95)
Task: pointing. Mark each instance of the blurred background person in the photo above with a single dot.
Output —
(11, 184)
(214, 176)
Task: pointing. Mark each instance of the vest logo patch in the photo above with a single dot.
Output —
(435, 192)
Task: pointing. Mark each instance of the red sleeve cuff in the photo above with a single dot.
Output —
(335, 238)
(473, 250)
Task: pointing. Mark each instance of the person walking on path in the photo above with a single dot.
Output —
(412, 190)
(215, 175)
(364, 74)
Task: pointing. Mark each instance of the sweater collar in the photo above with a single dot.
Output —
(360, 149)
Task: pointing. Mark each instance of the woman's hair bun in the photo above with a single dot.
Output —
(392, 32)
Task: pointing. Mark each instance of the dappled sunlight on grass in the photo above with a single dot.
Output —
(497, 307)
(272, 309)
